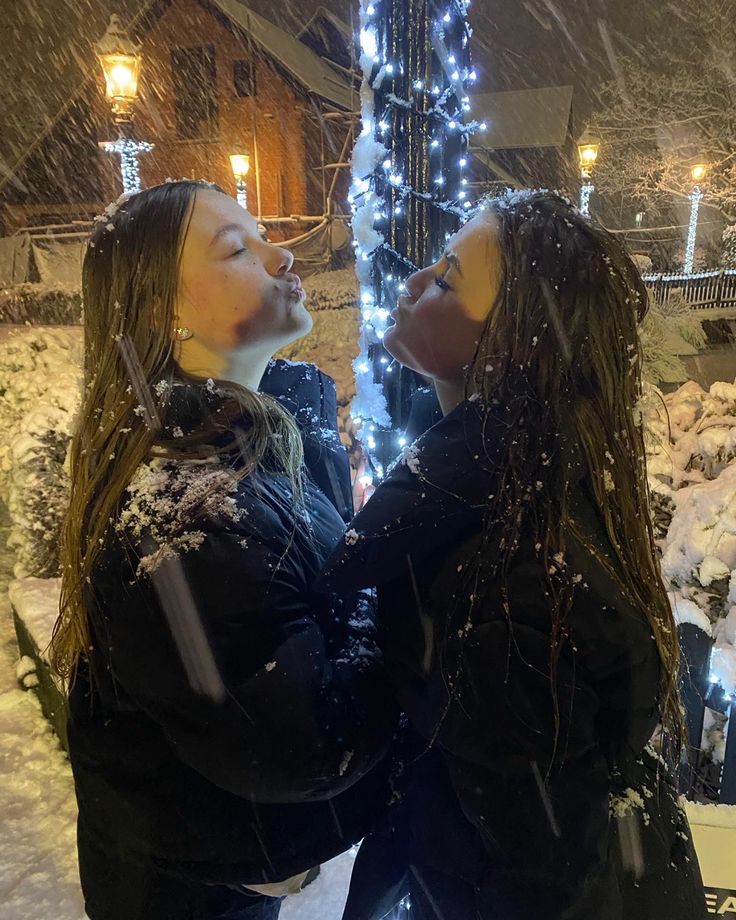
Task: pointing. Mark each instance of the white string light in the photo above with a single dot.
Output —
(692, 230)
(128, 150)
(373, 163)
(586, 190)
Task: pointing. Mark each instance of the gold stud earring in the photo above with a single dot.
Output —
(183, 333)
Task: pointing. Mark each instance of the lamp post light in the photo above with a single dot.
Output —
(240, 164)
(120, 59)
(697, 173)
(588, 147)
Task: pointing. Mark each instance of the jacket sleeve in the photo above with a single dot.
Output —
(311, 397)
(224, 647)
(530, 774)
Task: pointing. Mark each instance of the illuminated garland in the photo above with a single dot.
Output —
(692, 230)
(128, 150)
(409, 190)
(586, 190)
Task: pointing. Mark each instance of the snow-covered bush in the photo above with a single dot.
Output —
(54, 305)
(691, 459)
(661, 321)
(40, 386)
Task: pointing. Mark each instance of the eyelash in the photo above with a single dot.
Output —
(441, 283)
(237, 252)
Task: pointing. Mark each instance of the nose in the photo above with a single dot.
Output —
(282, 260)
(415, 284)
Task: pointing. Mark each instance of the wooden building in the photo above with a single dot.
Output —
(216, 79)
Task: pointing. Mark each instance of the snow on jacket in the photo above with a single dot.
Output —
(230, 724)
(484, 831)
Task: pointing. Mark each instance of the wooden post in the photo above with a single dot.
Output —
(696, 646)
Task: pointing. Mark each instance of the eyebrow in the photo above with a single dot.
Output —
(452, 258)
(228, 228)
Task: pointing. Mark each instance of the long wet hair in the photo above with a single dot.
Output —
(130, 286)
(560, 358)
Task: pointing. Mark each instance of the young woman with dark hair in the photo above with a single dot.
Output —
(227, 724)
(522, 614)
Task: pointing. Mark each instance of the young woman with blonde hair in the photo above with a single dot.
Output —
(227, 724)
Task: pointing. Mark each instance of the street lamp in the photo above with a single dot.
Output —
(697, 174)
(588, 147)
(240, 164)
(120, 59)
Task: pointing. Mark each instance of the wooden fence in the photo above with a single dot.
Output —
(703, 290)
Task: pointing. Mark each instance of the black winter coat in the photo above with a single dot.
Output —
(484, 831)
(230, 724)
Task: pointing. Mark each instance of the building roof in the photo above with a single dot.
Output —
(523, 118)
(331, 38)
(314, 74)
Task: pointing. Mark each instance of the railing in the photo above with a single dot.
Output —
(703, 290)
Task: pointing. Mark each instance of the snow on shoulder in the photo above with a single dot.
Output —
(163, 497)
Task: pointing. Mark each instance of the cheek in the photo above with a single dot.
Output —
(228, 307)
(436, 338)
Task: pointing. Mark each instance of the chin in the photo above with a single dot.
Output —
(394, 346)
(299, 326)
(306, 322)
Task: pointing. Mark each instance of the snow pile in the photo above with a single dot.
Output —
(36, 601)
(711, 815)
(38, 851)
(691, 448)
(41, 381)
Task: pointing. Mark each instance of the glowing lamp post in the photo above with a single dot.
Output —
(120, 59)
(240, 164)
(697, 173)
(588, 148)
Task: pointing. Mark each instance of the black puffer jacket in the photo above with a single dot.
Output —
(230, 724)
(488, 829)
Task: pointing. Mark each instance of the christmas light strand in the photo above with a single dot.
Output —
(128, 150)
(433, 107)
(586, 190)
(692, 230)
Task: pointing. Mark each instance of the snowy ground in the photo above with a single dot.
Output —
(38, 860)
(38, 872)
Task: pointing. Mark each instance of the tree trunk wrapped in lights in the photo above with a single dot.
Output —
(409, 191)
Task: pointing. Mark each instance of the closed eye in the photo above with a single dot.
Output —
(237, 252)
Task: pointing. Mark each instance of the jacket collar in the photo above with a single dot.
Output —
(310, 397)
(300, 388)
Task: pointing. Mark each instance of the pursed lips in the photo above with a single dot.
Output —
(402, 304)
